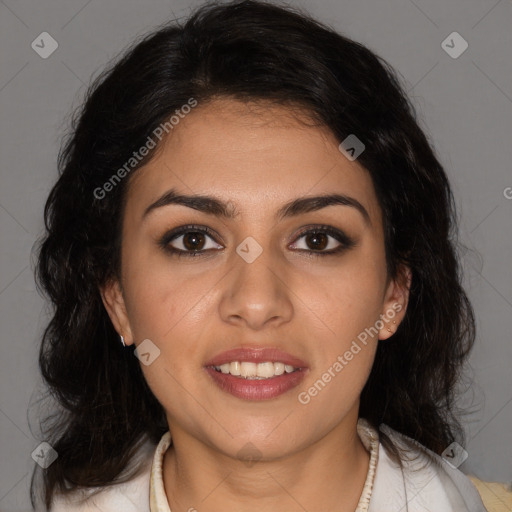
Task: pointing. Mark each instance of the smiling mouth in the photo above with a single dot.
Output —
(253, 387)
(255, 371)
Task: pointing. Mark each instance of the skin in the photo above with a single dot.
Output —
(258, 157)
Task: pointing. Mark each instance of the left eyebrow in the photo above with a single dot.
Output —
(213, 206)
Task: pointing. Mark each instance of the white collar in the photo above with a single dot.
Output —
(426, 481)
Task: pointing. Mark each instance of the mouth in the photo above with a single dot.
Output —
(256, 374)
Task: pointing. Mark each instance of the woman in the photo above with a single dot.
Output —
(257, 298)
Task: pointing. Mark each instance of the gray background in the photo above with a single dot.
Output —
(465, 106)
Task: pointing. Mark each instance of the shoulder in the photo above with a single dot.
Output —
(131, 496)
(425, 482)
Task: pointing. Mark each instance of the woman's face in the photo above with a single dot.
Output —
(257, 281)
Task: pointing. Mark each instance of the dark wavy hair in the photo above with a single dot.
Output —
(250, 51)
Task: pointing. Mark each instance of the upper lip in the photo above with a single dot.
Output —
(256, 355)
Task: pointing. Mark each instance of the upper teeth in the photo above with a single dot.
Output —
(255, 371)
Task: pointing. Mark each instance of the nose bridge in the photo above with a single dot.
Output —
(255, 267)
(257, 290)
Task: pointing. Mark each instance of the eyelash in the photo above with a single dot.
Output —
(345, 241)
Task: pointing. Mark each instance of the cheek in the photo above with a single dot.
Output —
(160, 296)
(349, 302)
(348, 299)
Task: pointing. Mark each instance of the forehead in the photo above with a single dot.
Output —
(255, 155)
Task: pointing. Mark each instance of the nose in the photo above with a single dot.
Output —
(258, 289)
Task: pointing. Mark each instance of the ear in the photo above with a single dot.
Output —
(113, 300)
(395, 303)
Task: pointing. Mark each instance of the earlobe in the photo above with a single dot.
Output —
(114, 303)
(396, 302)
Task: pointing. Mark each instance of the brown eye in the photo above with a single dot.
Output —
(188, 241)
(193, 240)
(320, 238)
(319, 241)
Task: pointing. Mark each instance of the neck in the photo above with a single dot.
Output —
(327, 475)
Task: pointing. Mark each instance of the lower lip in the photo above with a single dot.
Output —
(256, 389)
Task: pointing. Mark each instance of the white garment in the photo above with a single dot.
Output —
(427, 483)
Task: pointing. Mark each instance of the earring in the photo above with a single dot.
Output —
(390, 330)
(122, 341)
